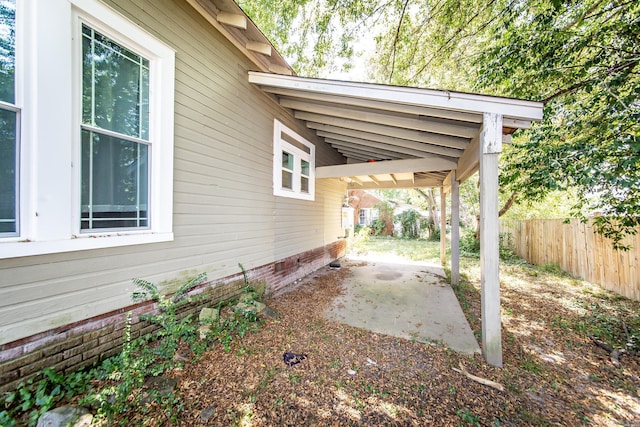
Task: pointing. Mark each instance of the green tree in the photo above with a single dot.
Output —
(316, 36)
(580, 58)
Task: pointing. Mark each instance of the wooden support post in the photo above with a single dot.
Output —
(443, 227)
(455, 229)
(490, 147)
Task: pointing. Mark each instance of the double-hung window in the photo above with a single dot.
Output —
(294, 164)
(9, 122)
(86, 129)
(115, 135)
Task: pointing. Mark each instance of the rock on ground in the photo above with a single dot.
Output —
(74, 416)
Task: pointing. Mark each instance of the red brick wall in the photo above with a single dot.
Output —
(88, 342)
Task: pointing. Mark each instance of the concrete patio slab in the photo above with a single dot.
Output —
(405, 299)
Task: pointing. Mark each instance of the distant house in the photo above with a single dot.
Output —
(162, 139)
(365, 207)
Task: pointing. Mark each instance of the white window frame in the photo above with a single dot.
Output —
(51, 104)
(370, 216)
(280, 145)
(15, 106)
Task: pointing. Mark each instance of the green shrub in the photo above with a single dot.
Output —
(411, 222)
(469, 245)
(122, 376)
(435, 235)
(32, 398)
(379, 227)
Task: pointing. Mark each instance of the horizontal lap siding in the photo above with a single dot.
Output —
(224, 209)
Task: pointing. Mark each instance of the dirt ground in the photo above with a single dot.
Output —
(553, 373)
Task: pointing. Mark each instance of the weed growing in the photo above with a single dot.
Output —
(116, 386)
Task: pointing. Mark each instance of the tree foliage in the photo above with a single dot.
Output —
(579, 57)
(316, 36)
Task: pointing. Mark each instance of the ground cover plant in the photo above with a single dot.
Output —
(553, 372)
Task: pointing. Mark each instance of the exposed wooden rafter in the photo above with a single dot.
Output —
(259, 47)
(232, 19)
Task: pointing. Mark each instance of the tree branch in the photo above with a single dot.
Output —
(395, 41)
(567, 90)
(508, 204)
(584, 15)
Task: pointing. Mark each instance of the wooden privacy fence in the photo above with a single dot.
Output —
(578, 250)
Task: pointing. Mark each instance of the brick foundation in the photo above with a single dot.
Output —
(85, 343)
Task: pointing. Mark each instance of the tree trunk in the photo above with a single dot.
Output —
(430, 197)
(502, 211)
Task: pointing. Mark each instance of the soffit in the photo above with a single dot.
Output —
(395, 137)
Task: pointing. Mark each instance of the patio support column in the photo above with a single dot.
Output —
(443, 227)
(455, 229)
(490, 148)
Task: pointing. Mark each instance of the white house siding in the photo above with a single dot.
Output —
(224, 209)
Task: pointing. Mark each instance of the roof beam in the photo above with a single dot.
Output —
(391, 131)
(468, 163)
(398, 142)
(373, 178)
(354, 155)
(439, 127)
(516, 124)
(232, 19)
(385, 167)
(372, 144)
(364, 151)
(389, 154)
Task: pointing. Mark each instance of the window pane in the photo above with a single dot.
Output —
(304, 184)
(8, 172)
(287, 180)
(114, 182)
(7, 50)
(115, 86)
(304, 167)
(287, 160)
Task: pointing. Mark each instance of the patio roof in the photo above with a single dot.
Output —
(398, 137)
(391, 136)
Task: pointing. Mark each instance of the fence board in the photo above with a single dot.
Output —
(577, 249)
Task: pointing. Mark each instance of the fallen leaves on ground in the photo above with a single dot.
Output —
(552, 374)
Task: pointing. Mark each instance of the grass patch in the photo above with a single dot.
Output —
(414, 250)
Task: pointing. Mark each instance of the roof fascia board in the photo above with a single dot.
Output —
(518, 109)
